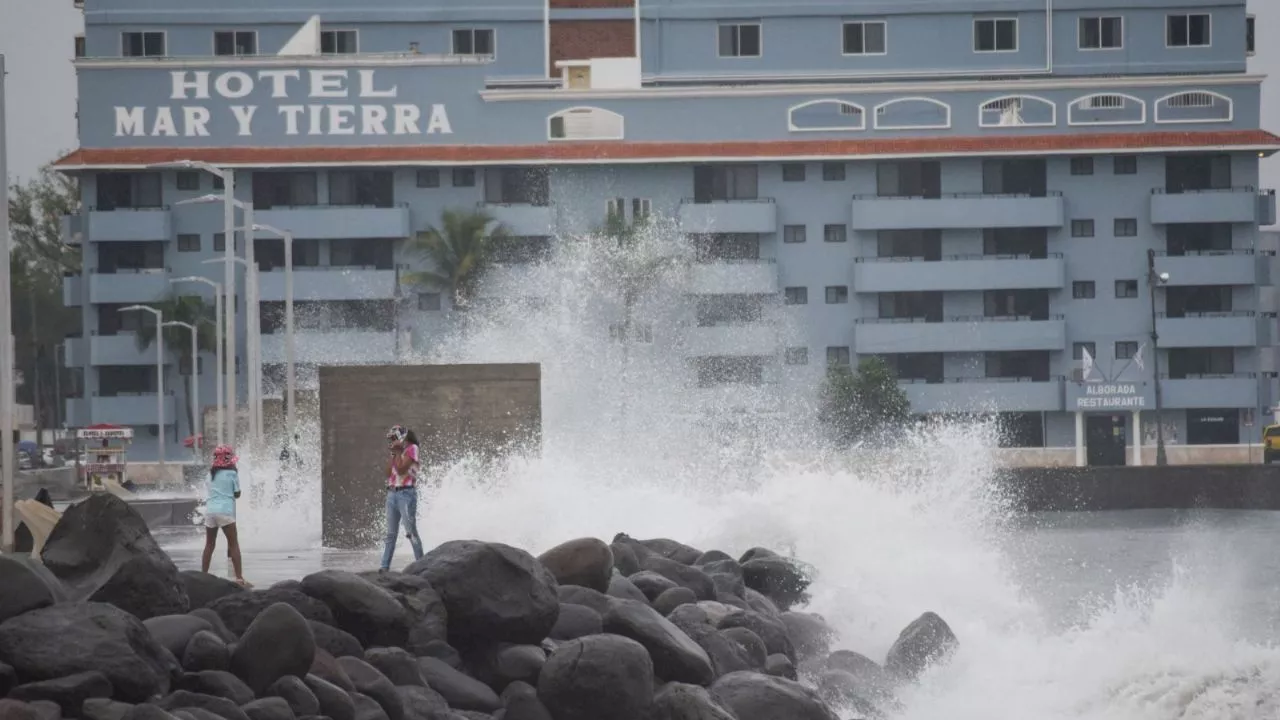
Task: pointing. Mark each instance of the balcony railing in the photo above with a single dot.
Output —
(1242, 204)
(960, 319)
(982, 380)
(965, 257)
(961, 196)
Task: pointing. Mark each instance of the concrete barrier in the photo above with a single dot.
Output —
(1175, 487)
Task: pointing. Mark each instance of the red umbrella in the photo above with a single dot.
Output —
(193, 441)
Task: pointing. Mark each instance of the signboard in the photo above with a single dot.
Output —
(121, 433)
(1110, 397)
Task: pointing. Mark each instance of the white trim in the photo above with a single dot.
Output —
(1074, 83)
(1053, 112)
(792, 127)
(164, 35)
(995, 34)
(881, 107)
(687, 159)
(213, 42)
(397, 59)
(580, 108)
(864, 23)
(493, 40)
(759, 24)
(1231, 108)
(324, 30)
(1080, 37)
(1074, 104)
(1188, 46)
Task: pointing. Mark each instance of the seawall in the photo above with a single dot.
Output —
(1173, 487)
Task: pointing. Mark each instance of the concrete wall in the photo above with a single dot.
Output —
(1225, 487)
(455, 410)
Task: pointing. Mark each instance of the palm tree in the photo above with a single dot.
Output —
(458, 253)
(177, 339)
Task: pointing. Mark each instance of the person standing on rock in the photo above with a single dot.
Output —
(220, 510)
(402, 492)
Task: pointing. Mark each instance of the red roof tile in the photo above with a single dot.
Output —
(622, 151)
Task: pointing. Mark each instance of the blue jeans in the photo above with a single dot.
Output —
(402, 506)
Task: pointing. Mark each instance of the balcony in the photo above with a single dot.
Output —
(985, 395)
(739, 339)
(975, 334)
(72, 287)
(333, 347)
(71, 229)
(143, 286)
(759, 215)
(959, 272)
(1224, 329)
(322, 222)
(734, 277)
(1237, 390)
(523, 220)
(130, 225)
(1227, 205)
(121, 349)
(129, 409)
(1216, 267)
(976, 210)
(329, 283)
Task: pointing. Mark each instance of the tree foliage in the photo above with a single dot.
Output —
(193, 310)
(458, 253)
(864, 406)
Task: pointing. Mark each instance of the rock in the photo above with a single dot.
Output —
(173, 632)
(624, 558)
(576, 621)
(752, 696)
(239, 610)
(45, 709)
(506, 664)
(651, 583)
(751, 645)
(326, 666)
(150, 711)
(586, 561)
(841, 689)
(727, 576)
(520, 702)
(66, 639)
(492, 592)
(679, 701)
(277, 643)
(295, 693)
(810, 635)
(421, 702)
(874, 682)
(928, 639)
(672, 550)
(672, 599)
(69, 692)
(596, 677)
(219, 627)
(780, 579)
(780, 666)
(203, 589)
(726, 656)
(586, 597)
(770, 630)
(676, 657)
(338, 643)
(711, 556)
(370, 613)
(443, 651)
(367, 708)
(206, 651)
(8, 678)
(430, 620)
(682, 575)
(14, 710)
(220, 707)
(397, 665)
(217, 683)
(761, 604)
(104, 709)
(460, 691)
(28, 585)
(757, 552)
(195, 713)
(621, 588)
(102, 551)
(369, 681)
(334, 701)
(268, 708)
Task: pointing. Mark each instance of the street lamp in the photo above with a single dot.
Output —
(221, 369)
(1153, 279)
(159, 372)
(287, 237)
(7, 458)
(196, 424)
(254, 414)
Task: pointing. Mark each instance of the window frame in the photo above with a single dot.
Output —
(439, 302)
(178, 246)
(843, 234)
(995, 34)
(884, 34)
(836, 165)
(796, 356)
(164, 42)
(803, 298)
(1136, 291)
(1115, 165)
(1091, 285)
(827, 292)
(187, 174)
(804, 172)
(234, 33)
(1115, 227)
(453, 176)
(1250, 35)
(1099, 19)
(1082, 165)
(355, 32)
(786, 234)
(1168, 30)
(1092, 228)
(846, 361)
(757, 24)
(493, 41)
(1129, 345)
(419, 174)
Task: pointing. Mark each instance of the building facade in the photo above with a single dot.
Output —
(1003, 200)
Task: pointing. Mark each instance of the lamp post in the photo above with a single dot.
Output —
(289, 381)
(1153, 279)
(251, 279)
(221, 369)
(7, 458)
(159, 372)
(196, 425)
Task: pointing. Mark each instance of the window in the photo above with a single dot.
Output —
(188, 180)
(995, 35)
(219, 183)
(464, 177)
(235, 42)
(1083, 290)
(837, 356)
(429, 302)
(428, 178)
(1126, 349)
(833, 171)
(1250, 29)
(835, 233)
(1101, 33)
(219, 242)
(793, 233)
(793, 172)
(1126, 165)
(712, 183)
(837, 294)
(1078, 350)
(188, 242)
(1126, 227)
(128, 190)
(473, 42)
(142, 44)
(79, 47)
(339, 42)
(796, 295)
(1081, 166)
(284, 189)
(909, 178)
(864, 38)
(740, 40)
(1126, 288)
(1188, 31)
(361, 188)
(797, 356)
(1082, 228)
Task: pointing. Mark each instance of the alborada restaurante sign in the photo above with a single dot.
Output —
(375, 113)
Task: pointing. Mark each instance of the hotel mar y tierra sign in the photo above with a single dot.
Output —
(293, 101)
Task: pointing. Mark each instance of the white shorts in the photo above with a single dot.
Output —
(218, 520)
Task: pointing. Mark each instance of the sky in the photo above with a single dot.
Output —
(37, 39)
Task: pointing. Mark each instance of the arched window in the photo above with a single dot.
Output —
(826, 116)
(914, 113)
(1107, 109)
(1018, 111)
(1195, 106)
(585, 123)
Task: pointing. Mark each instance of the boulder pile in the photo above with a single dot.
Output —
(106, 628)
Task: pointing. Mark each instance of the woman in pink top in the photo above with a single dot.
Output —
(402, 492)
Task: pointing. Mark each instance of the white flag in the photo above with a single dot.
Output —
(1137, 357)
(1086, 363)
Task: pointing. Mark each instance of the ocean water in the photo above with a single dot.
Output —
(1098, 616)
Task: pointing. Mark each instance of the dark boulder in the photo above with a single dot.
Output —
(505, 664)
(367, 708)
(14, 710)
(596, 677)
(218, 683)
(520, 702)
(625, 560)
(203, 588)
(151, 711)
(841, 689)
(576, 621)
(672, 550)
(370, 613)
(780, 579)
(679, 701)
(726, 656)
(442, 650)
(8, 678)
(673, 598)
(421, 702)
(461, 692)
(268, 708)
(683, 575)
(69, 693)
(174, 632)
(220, 707)
(771, 630)
(430, 620)
(369, 681)
(206, 651)
(326, 666)
(780, 666)
(334, 701)
(238, 611)
(295, 693)
(928, 639)
(277, 643)
(338, 643)
(621, 588)
(873, 681)
(219, 627)
(46, 709)
(761, 604)
(651, 583)
(751, 645)
(586, 561)
(104, 709)
(67, 638)
(675, 656)
(397, 665)
(711, 556)
(810, 635)
(752, 696)
(586, 597)
(28, 585)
